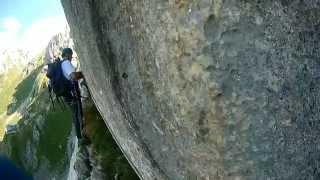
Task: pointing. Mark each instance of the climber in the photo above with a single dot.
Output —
(73, 98)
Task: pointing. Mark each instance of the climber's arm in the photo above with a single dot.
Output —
(76, 75)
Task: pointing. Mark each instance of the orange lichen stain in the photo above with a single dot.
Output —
(181, 3)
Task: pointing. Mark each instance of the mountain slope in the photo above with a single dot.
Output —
(15, 91)
(43, 140)
(36, 146)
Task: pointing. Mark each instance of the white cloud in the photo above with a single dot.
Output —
(11, 24)
(9, 35)
(7, 40)
(37, 36)
(34, 38)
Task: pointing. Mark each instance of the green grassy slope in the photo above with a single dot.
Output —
(43, 133)
(15, 88)
(8, 83)
(54, 129)
(54, 137)
(25, 90)
(105, 148)
(41, 143)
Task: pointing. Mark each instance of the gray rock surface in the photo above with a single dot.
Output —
(82, 165)
(206, 89)
(56, 44)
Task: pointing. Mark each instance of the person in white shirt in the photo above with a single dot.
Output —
(68, 70)
(73, 98)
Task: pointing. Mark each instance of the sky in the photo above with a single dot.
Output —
(29, 24)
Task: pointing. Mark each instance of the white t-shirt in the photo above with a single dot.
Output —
(67, 69)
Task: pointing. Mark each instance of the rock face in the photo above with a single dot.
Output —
(56, 44)
(206, 89)
(13, 57)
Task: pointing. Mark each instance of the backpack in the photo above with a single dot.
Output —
(58, 83)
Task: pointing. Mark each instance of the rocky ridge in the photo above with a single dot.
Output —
(10, 58)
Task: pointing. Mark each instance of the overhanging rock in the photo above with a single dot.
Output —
(206, 89)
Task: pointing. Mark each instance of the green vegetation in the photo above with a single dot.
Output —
(16, 88)
(42, 129)
(8, 83)
(110, 156)
(13, 84)
(18, 144)
(54, 136)
(42, 136)
(24, 89)
(53, 126)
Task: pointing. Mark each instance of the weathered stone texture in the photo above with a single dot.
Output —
(206, 89)
(56, 44)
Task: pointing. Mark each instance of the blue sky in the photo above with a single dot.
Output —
(29, 20)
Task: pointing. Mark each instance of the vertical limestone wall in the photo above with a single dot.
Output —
(206, 89)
